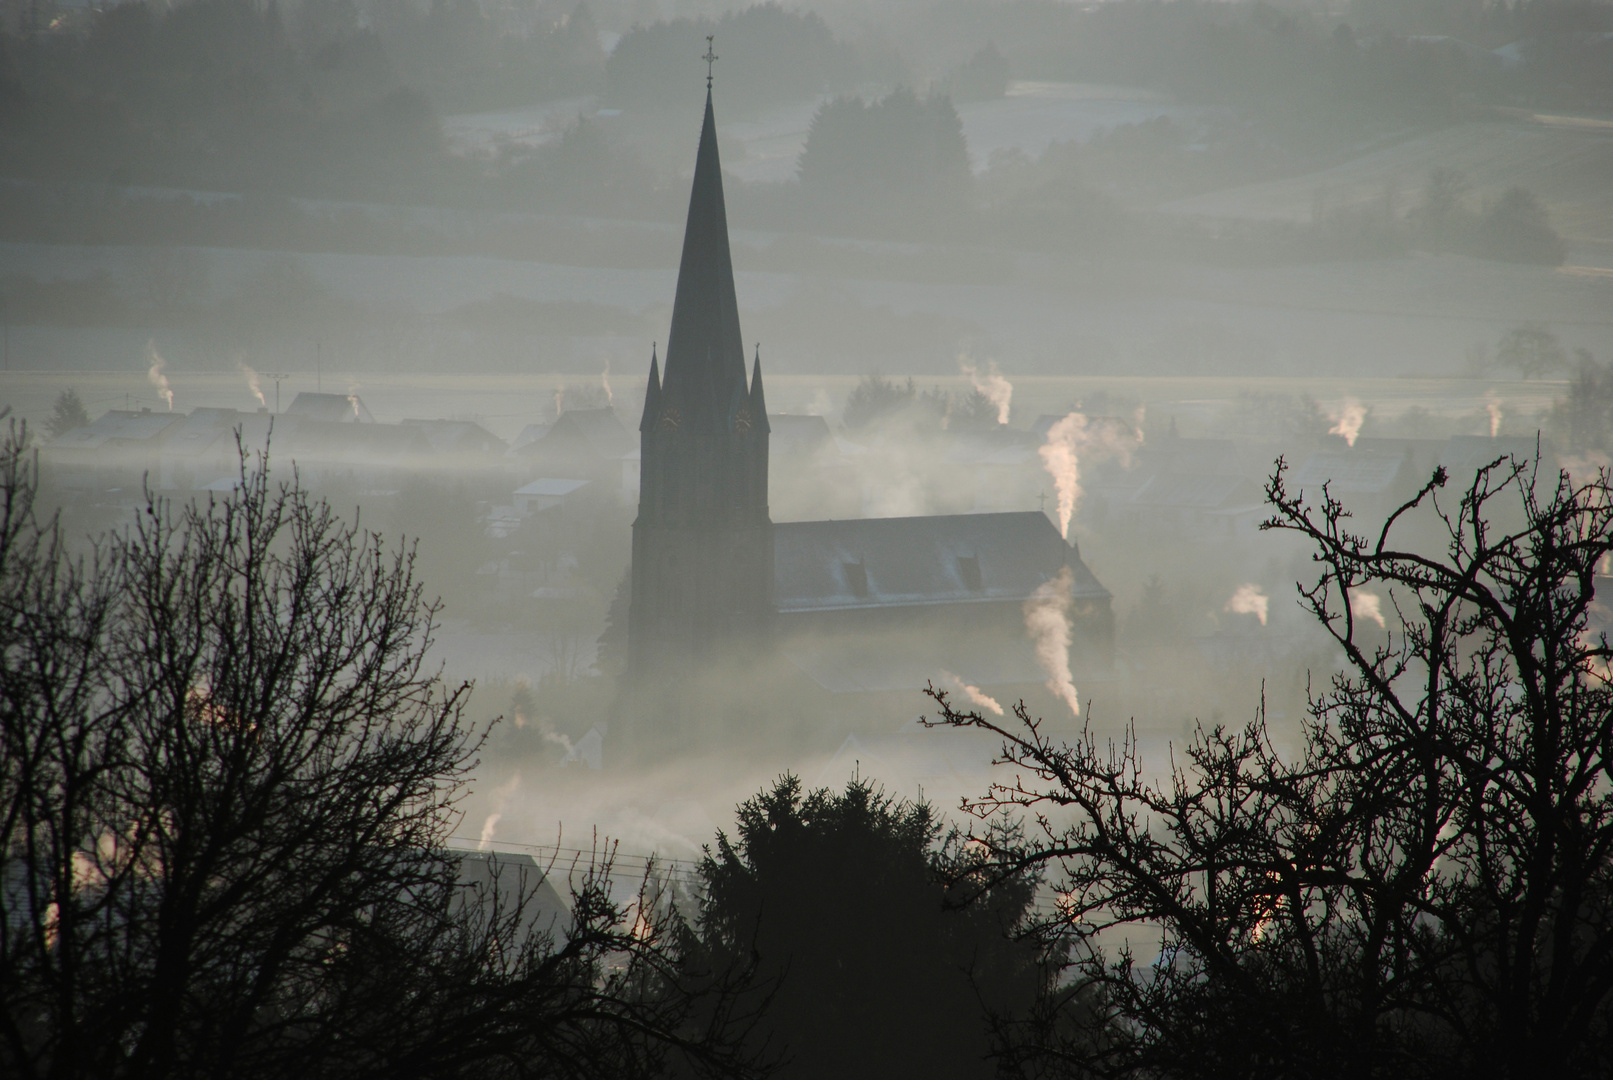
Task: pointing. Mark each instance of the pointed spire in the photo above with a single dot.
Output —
(737, 404)
(758, 400)
(705, 355)
(652, 394)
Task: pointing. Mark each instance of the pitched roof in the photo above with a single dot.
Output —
(508, 879)
(551, 486)
(527, 436)
(1197, 491)
(1465, 455)
(1359, 472)
(798, 434)
(119, 426)
(599, 432)
(705, 355)
(212, 431)
(462, 435)
(346, 408)
(902, 562)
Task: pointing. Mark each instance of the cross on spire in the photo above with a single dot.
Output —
(710, 58)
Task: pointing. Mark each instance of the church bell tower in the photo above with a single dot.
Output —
(702, 585)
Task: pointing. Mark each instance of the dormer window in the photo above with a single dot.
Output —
(969, 572)
(856, 577)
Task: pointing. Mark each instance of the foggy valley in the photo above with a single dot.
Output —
(495, 531)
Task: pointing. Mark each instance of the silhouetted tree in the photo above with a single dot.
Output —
(876, 399)
(899, 161)
(983, 77)
(973, 411)
(1515, 229)
(870, 972)
(1531, 350)
(875, 396)
(1426, 887)
(68, 413)
(227, 779)
(1584, 417)
(1443, 220)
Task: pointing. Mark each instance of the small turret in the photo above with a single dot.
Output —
(758, 400)
(652, 394)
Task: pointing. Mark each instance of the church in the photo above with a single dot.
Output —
(850, 610)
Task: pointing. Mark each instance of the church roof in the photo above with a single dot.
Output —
(901, 562)
(705, 356)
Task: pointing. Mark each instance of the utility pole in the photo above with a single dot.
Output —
(276, 376)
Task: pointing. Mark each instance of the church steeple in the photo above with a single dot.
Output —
(705, 355)
(702, 585)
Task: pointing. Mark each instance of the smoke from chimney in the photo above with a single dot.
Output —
(1047, 618)
(973, 694)
(1250, 599)
(156, 377)
(1368, 606)
(501, 795)
(992, 386)
(1349, 421)
(1067, 441)
(252, 382)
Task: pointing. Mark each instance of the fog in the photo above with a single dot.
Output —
(1108, 263)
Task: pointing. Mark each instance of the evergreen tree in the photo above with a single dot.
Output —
(873, 968)
(68, 415)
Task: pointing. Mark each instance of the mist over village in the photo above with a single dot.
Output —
(896, 538)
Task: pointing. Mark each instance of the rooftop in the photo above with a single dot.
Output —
(892, 562)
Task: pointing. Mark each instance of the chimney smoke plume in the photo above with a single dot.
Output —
(1070, 439)
(991, 385)
(1250, 599)
(156, 377)
(1349, 422)
(1047, 618)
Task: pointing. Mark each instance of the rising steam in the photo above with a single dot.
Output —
(157, 378)
(1073, 437)
(1250, 599)
(1047, 618)
(604, 380)
(501, 795)
(973, 694)
(252, 382)
(991, 385)
(1349, 423)
(1364, 605)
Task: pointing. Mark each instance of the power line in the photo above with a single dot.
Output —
(675, 867)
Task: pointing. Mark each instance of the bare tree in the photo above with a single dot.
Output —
(227, 780)
(1426, 888)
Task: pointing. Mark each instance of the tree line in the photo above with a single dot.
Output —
(228, 776)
